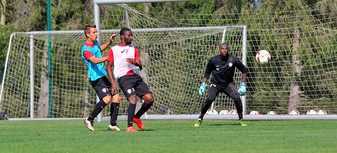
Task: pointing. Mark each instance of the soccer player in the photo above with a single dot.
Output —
(222, 67)
(105, 90)
(126, 62)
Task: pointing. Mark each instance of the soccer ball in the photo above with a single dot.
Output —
(271, 113)
(254, 113)
(263, 57)
(294, 112)
(212, 112)
(321, 112)
(233, 112)
(224, 112)
(311, 112)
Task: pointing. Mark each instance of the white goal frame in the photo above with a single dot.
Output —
(36, 33)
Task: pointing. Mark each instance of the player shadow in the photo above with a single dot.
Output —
(146, 130)
(223, 124)
(122, 130)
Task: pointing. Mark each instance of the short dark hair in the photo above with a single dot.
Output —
(87, 29)
(123, 31)
(223, 44)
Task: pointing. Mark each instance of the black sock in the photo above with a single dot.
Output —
(98, 108)
(238, 105)
(205, 107)
(143, 109)
(114, 113)
(240, 116)
(131, 112)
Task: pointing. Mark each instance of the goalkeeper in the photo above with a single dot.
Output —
(222, 68)
(105, 90)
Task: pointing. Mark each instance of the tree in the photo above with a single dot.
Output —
(3, 12)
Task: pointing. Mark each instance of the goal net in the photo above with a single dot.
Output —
(174, 61)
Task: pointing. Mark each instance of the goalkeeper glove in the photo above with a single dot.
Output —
(242, 89)
(202, 88)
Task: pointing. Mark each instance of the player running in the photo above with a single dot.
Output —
(222, 68)
(105, 90)
(127, 65)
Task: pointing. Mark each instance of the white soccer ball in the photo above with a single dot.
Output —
(233, 112)
(321, 112)
(271, 113)
(224, 112)
(294, 112)
(311, 112)
(263, 57)
(254, 113)
(212, 112)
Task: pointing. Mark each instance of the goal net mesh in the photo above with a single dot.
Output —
(174, 62)
(301, 74)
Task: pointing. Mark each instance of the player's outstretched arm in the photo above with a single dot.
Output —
(110, 76)
(104, 46)
(95, 60)
(244, 77)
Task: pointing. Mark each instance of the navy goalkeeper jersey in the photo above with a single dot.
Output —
(223, 70)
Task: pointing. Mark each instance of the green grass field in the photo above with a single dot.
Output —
(178, 136)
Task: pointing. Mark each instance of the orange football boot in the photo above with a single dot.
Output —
(139, 123)
(131, 129)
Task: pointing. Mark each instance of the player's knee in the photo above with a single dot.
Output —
(116, 98)
(209, 100)
(148, 98)
(133, 99)
(151, 100)
(107, 99)
(237, 99)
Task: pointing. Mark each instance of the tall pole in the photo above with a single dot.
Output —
(31, 76)
(244, 61)
(49, 61)
(97, 21)
(98, 27)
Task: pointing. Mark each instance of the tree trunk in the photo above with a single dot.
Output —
(3, 12)
(294, 98)
(43, 103)
(147, 8)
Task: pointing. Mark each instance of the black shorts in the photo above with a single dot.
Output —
(133, 84)
(229, 89)
(102, 87)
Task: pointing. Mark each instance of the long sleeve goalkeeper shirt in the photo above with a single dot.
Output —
(223, 69)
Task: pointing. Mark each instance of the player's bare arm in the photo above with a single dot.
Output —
(137, 63)
(95, 60)
(104, 46)
(244, 77)
(204, 80)
(110, 76)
